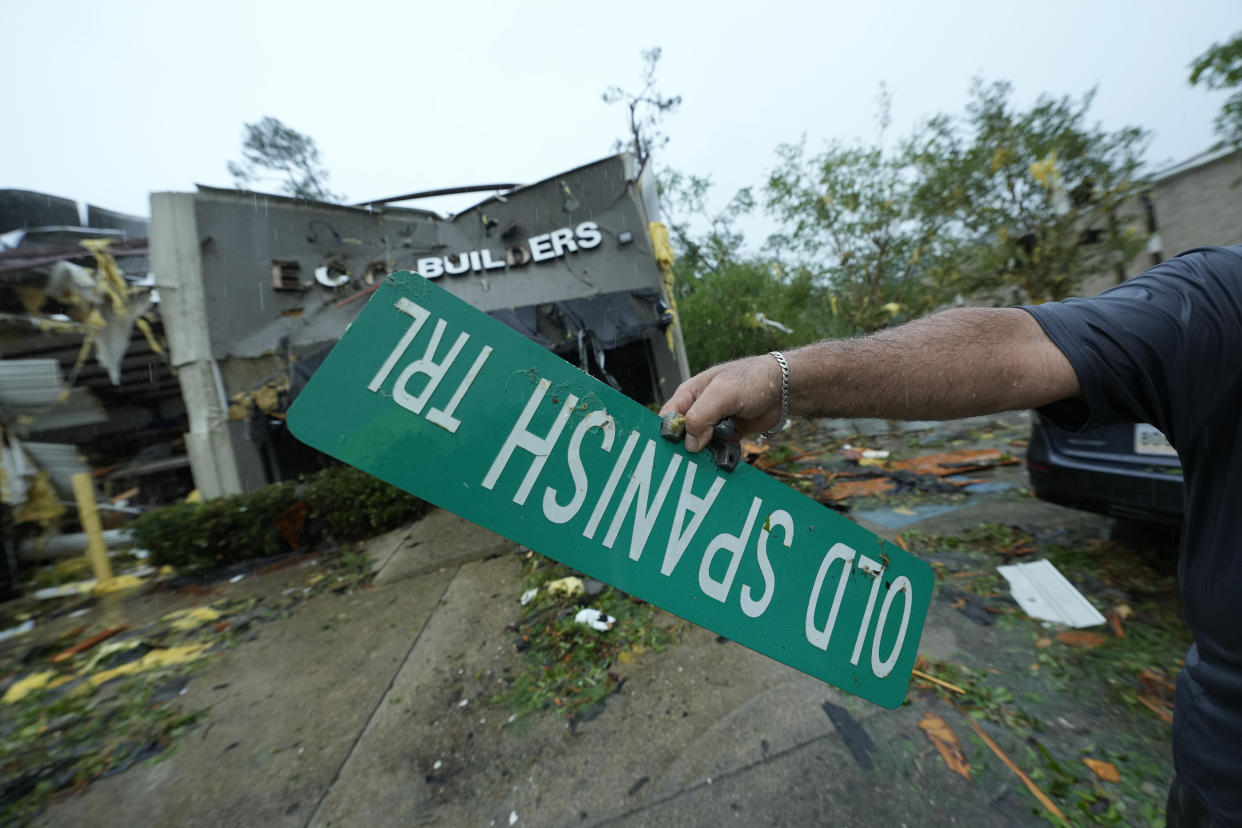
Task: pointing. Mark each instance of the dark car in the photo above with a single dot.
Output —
(1127, 471)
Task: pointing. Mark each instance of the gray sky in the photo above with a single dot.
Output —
(109, 101)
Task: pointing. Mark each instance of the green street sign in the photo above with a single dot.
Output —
(435, 397)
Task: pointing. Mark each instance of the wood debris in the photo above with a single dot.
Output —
(1105, 770)
(1081, 638)
(946, 743)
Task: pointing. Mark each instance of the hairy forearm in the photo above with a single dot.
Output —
(957, 363)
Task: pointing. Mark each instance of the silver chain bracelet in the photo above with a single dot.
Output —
(780, 360)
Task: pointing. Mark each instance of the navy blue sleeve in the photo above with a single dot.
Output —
(1161, 348)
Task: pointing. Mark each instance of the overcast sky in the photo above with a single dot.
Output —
(109, 101)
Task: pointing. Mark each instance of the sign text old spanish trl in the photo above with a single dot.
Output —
(432, 395)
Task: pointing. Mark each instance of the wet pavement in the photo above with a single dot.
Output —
(373, 702)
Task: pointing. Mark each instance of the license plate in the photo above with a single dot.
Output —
(1150, 440)
(435, 397)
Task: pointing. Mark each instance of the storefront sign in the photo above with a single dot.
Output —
(541, 248)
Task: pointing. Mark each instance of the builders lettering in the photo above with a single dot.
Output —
(647, 482)
(541, 248)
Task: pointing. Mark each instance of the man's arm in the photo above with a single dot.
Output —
(957, 363)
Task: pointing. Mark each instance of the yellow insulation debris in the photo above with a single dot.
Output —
(156, 658)
(118, 583)
(662, 249)
(24, 687)
(189, 619)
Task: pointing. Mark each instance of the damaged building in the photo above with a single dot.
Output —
(160, 356)
(85, 382)
(254, 290)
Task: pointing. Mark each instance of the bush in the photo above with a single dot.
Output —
(347, 503)
(218, 532)
(353, 504)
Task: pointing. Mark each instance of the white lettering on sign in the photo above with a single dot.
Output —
(539, 447)
(588, 235)
(428, 367)
(647, 509)
(882, 668)
(876, 571)
(752, 607)
(817, 636)
(552, 510)
(735, 544)
(541, 248)
(605, 497)
(679, 540)
(820, 637)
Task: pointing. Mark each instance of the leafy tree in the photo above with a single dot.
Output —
(848, 218)
(1030, 199)
(718, 239)
(745, 306)
(647, 108)
(1221, 68)
(271, 150)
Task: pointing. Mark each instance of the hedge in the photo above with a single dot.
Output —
(341, 501)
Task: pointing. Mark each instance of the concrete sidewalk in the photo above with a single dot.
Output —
(371, 708)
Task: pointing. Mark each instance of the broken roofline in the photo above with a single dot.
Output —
(381, 204)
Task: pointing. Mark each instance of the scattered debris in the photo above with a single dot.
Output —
(21, 629)
(513, 817)
(192, 618)
(568, 586)
(529, 595)
(955, 462)
(1104, 770)
(1080, 638)
(1048, 804)
(869, 487)
(942, 737)
(21, 688)
(919, 674)
(86, 644)
(166, 657)
(595, 619)
(1044, 593)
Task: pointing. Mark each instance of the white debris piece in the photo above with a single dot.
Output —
(568, 586)
(512, 817)
(529, 595)
(20, 629)
(237, 579)
(463, 702)
(1044, 593)
(438, 764)
(596, 619)
(875, 454)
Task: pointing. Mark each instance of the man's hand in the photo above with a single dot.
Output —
(749, 390)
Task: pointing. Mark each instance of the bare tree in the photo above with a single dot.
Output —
(273, 151)
(647, 108)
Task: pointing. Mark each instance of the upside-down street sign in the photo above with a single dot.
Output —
(435, 397)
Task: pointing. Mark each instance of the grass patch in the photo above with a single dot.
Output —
(569, 666)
